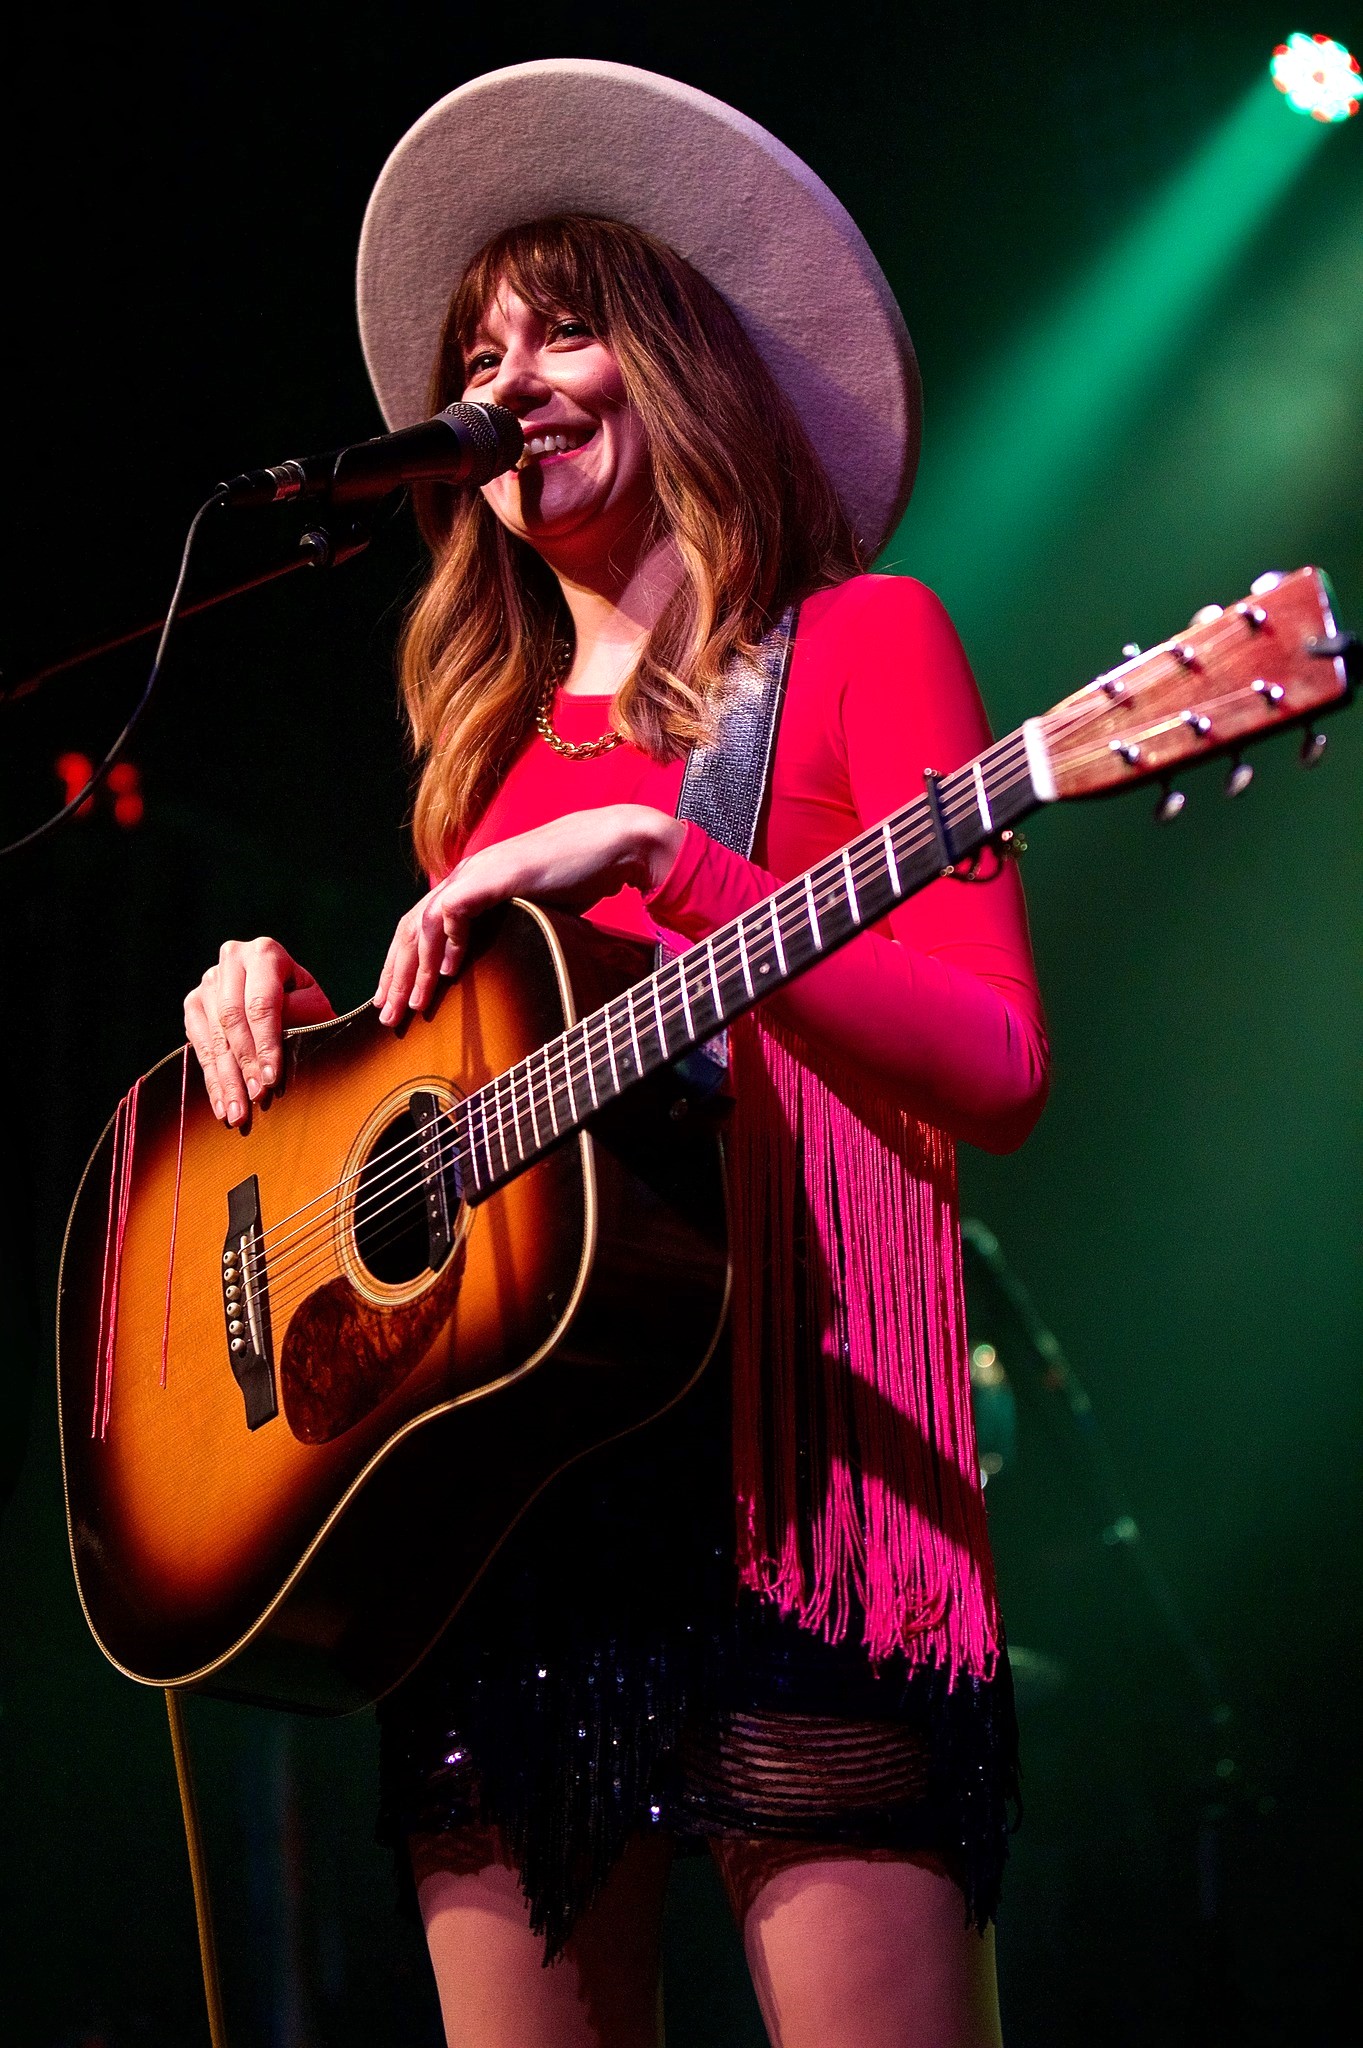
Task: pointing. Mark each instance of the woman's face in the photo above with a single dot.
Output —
(585, 479)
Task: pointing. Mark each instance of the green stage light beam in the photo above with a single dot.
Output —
(998, 477)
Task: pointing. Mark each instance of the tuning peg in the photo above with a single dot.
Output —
(1130, 651)
(1313, 748)
(1270, 580)
(1169, 806)
(1253, 615)
(1207, 613)
(1239, 778)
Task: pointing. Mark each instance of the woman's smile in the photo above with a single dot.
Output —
(584, 484)
(554, 444)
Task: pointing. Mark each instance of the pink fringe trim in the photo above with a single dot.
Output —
(857, 1349)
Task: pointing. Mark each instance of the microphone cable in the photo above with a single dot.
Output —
(73, 804)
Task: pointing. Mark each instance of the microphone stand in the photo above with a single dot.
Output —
(1057, 1378)
(316, 549)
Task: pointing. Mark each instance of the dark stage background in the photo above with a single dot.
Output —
(1136, 284)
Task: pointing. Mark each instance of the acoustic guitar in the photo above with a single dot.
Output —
(311, 1370)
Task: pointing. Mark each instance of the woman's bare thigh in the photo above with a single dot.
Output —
(495, 1992)
(857, 1949)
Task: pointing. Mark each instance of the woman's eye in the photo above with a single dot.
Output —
(476, 365)
(570, 330)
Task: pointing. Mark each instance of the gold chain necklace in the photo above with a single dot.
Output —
(583, 750)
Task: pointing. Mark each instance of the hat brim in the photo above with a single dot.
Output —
(574, 135)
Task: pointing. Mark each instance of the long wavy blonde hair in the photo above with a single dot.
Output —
(737, 484)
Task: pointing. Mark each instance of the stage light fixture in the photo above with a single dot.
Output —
(1317, 76)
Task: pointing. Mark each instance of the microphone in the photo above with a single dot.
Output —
(465, 444)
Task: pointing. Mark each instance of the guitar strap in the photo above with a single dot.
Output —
(726, 781)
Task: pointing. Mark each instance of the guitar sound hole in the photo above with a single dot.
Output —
(391, 1236)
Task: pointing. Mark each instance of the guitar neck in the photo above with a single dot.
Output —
(510, 1122)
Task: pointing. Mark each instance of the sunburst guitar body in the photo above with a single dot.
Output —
(294, 1520)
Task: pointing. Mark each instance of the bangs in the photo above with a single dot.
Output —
(554, 265)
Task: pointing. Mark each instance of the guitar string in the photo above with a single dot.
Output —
(1079, 713)
(407, 1163)
(726, 960)
(402, 1156)
(412, 1172)
(957, 805)
(404, 1173)
(1057, 726)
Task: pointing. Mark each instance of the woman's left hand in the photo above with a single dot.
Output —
(574, 861)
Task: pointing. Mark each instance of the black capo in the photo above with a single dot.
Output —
(932, 791)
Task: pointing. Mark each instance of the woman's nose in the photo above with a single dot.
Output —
(519, 385)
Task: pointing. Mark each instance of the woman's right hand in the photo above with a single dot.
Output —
(235, 1020)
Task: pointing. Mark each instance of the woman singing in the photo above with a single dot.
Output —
(767, 1623)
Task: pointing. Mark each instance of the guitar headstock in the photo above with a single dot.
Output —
(1236, 674)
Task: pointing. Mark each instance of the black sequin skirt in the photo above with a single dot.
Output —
(606, 1676)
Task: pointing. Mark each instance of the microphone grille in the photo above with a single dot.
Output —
(493, 431)
(510, 438)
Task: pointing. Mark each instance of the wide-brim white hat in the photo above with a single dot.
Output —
(574, 135)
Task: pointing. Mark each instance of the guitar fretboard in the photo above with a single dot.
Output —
(510, 1122)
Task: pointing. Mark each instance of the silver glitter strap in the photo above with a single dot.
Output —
(726, 780)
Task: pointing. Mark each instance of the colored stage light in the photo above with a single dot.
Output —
(75, 771)
(1318, 77)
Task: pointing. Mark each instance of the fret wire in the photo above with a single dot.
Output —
(852, 903)
(568, 1076)
(658, 1013)
(685, 996)
(888, 836)
(501, 1128)
(813, 913)
(714, 976)
(584, 1034)
(487, 1148)
(549, 1087)
(495, 1124)
(472, 1148)
(776, 932)
(506, 1162)
(509, 1077)
(610, 1049)
(743, 956)
(534, 1114)
(633, 1031)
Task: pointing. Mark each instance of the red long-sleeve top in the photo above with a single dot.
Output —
(939, 1005)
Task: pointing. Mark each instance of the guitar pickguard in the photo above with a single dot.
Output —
(343, 1356)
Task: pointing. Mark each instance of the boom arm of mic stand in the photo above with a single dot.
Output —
(317, 549)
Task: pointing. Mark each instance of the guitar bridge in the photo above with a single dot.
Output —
(246, 1304)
